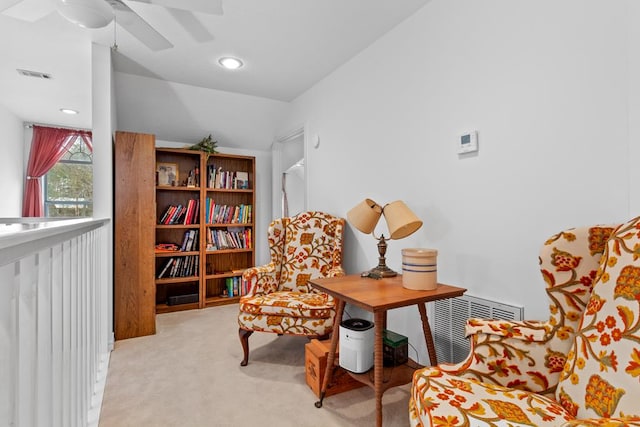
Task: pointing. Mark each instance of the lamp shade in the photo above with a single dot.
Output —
(400, 219)
(365, 215)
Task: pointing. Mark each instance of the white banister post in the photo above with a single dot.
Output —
(26, 340)
(8, 334)
(44, 375)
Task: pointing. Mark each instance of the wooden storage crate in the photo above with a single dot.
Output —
(315, 366)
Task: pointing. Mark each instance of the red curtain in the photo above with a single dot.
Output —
(48, 145)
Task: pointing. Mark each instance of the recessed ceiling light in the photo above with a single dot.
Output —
(68, 111)
(230, 63)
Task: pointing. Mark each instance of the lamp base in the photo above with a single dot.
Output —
(379, 272)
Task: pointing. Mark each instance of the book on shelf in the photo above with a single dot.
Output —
(190, 241)
(219, 178)
(167, 247)
(192, 213)
(175, 267)
(166, 216)
(166, 267)
(233, 286)
(181, 214)
(185, 240)
(236, 286)
(180, 266)
(231, 238)
(242, 180)
(226, 214)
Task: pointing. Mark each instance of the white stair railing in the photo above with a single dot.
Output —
(54, 331)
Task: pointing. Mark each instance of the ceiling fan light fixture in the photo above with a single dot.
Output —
(86, 13)
(230, 63)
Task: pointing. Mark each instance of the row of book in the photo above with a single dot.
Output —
(231, 238)
(235, 286)
(226, 214)
(218, 178)
(181, 214)
(180, 266)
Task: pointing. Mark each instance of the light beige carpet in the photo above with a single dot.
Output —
(189, 374)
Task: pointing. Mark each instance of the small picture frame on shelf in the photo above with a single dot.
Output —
(166, 174)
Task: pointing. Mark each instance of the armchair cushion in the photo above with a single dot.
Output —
(295, 304)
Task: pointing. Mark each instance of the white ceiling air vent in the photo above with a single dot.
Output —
(37, 74)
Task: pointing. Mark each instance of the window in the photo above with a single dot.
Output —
(68, 186)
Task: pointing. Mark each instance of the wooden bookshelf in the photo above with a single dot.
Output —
(224, 224)
(133, 264)
(200, 278)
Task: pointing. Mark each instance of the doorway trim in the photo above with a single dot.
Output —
(276, 170)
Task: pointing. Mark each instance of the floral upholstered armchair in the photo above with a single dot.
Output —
(581, 367)
(303, 247)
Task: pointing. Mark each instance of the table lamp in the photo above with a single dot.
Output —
(401, 222)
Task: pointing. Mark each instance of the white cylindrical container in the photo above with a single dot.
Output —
(419, 269)
(357, 337)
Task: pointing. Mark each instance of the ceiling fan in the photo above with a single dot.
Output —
(99, 13)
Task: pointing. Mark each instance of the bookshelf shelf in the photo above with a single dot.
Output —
(230, 224)
(214, 301)
(222, 275)
(229, 190)
(165, 308)
(177, 226)
(176, 188)
(228, 251)
(176, 253)
(176, 280)
(149, 282)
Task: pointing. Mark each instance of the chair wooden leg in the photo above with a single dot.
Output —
(244, 340)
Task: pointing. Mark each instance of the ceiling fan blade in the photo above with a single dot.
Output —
(211, 7)
(138, 27)
(27, 10)
(191, 25)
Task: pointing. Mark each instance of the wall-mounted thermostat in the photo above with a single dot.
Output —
(468, 142)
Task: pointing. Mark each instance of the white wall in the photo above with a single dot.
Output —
(633, 79)
(103, 118)
(12, 173)
(546, 86)
(176, 112)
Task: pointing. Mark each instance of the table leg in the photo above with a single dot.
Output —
(378, 374)
(428, 337)
(335, 335)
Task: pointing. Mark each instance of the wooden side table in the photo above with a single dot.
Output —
(378, 296)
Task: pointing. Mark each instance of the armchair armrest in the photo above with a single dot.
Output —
(525, 330)
(262, 279)
(526, 355)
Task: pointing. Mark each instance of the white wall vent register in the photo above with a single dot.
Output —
(449, 317)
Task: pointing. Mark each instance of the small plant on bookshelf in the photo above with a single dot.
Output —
(207, 145)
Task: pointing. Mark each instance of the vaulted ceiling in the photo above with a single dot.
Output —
(286, 45)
